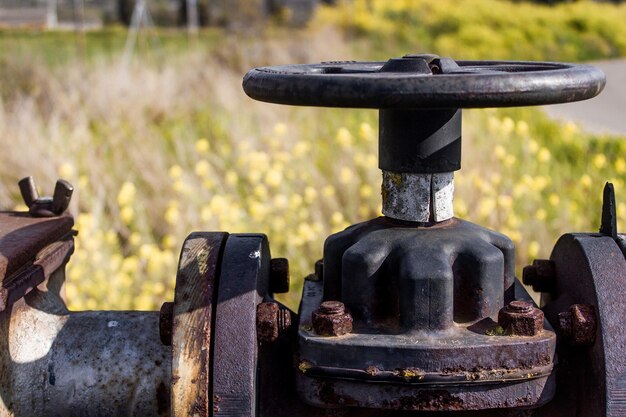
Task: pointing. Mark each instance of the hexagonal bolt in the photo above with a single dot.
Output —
(541, 275)
(332, 319)
(272, 320)
(166, 321)
(46, 206)
(279, 275)
(521, 318)
(579, 324)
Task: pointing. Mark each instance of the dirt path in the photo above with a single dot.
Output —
(605, 113)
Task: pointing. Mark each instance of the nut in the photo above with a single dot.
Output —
(272, 319)
(579, 324)
(541, 275)
(521, 318)
(279, 275)
(166, 320)
(332, 319)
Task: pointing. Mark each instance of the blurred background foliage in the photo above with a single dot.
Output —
(163, 141)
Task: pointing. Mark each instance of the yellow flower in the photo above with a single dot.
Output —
(499, 151)
(585, 181)
(346, 175)
(280, 129)
(172, 215)
(521, 128)
(544, 155)
(231, 177)
(127, 214)
(310, 194)
(533, 146)
(344, 138)
(175, 171)
(620, 165)
(202, 145)
(507, 125)
(280, 201)
(366, 132)
(554, 199)
(67, 170)
(505, 201)
(328, 191)
(599, 160)
(541, 214)
(260, 191)
(202, 168)
(366, 191)
(273, 178)
(533, 249)
(126, 194)
(336, 218)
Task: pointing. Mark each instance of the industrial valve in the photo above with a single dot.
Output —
(413, 312)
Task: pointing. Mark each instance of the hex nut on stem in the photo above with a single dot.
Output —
(521, 318)
(579, 324)
(332, 319)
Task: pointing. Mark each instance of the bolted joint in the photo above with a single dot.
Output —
(579, 324)
(272, 320)
(332, 319)
(279, 275)
(166, 321)
(521, 318)
(541, 275)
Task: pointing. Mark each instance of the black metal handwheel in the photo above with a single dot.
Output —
(424, 81)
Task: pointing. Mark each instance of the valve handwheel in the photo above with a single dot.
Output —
(424, 81)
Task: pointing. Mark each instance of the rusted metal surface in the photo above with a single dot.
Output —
(332, 319)
(521, 318)
(472, 361)
(579, 324)
(540, 275)
(244, 282)
(590, 270)
(96, 363)
(194, 302)
(272, 319)
(279, 275)
(22, 237)
(46, 206)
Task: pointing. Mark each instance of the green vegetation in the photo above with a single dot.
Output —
(167, 143)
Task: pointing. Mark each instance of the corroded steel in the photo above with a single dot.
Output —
(194, 300)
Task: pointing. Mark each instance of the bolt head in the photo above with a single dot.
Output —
(579, 324)
(331, 319)
(541, 275)
(279, 275)
(521, 318)
(271, 321)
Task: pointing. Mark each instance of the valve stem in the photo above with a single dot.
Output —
(418, 197)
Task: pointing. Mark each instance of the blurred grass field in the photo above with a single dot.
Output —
(167, 142)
